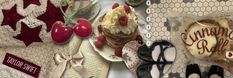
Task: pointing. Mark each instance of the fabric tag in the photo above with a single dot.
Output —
(21, 65)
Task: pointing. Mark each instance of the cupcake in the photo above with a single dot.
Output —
(119, 26)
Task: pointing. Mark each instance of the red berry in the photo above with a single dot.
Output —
(83, 28)
(115, 5)
(123, 20)
(101, 38)
(99, 44)
(100, 29)
(127, 9)
(118, 52)
(139, 39)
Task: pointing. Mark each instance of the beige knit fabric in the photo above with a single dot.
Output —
(30, 13)
(40, 54)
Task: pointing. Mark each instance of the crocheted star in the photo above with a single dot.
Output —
(29, 35)
(28, 2)
(52, 15)
(11, 17)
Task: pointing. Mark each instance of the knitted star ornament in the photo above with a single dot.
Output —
(29, 35)
(11, 17)
(52, 15)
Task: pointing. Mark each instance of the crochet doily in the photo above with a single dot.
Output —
(159, 28)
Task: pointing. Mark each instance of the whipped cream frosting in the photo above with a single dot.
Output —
(111, 23)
